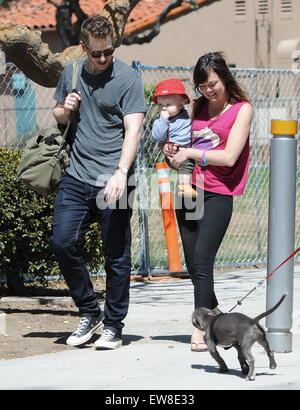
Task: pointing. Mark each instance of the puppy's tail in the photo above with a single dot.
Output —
(268, 312)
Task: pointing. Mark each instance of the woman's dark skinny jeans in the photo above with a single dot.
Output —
(201, 239)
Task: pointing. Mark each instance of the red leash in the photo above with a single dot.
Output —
(239, 302)
(282, 263)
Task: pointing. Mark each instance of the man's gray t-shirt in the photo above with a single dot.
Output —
(97, 131)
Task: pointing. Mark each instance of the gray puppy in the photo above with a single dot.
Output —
(234, 330)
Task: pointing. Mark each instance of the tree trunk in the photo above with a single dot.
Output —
(118, 12)
(25, 48)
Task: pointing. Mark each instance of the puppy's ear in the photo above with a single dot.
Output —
(197, 319)
(194, 319)
(195, 322)
(216, 311)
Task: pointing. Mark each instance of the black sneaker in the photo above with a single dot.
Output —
(110, 339)
(87, 326)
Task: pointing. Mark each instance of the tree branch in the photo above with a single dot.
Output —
(118, 11)
(68, 31)
(148, 35)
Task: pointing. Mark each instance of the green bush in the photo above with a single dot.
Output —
(25, 227)
(149, 90)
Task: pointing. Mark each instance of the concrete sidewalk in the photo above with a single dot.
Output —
(156, 352)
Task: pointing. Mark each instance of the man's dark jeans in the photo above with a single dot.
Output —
(75, 209)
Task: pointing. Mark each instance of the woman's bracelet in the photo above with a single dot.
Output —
(203, 159)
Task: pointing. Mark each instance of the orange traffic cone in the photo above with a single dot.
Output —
(168, 214)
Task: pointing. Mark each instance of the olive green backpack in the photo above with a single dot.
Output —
(46, 155)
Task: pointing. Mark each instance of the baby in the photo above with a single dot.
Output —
(174, 126)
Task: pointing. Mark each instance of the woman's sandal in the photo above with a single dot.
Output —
(198, 347)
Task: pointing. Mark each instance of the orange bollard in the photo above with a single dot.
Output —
(168, 214)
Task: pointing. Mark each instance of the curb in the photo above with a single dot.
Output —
(38, 301)
(3, 323)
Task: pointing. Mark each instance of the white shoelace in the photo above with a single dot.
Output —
(82, 324)
(107, 335)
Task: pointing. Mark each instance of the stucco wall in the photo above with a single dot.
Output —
(248, 41)
(182, 41)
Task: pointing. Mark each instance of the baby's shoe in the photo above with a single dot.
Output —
(187, 191)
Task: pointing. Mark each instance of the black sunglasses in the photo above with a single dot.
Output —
(107, 53)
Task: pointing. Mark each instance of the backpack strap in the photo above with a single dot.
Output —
(75, 77)
(75, 81)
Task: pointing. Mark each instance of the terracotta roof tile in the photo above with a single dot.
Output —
(40, 14)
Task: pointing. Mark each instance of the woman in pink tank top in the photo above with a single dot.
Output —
(220, 147)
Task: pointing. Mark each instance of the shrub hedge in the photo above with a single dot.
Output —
(25, 227)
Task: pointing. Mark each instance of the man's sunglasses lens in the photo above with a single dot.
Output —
(106, 53)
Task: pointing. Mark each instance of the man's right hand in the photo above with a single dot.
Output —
(72, 101)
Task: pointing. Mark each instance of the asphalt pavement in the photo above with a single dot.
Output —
(156, 351)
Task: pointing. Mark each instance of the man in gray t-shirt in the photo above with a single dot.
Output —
(108, 107)
(98, 128)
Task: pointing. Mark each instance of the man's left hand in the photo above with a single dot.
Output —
(115, 187)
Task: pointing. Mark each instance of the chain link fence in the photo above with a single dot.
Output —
(275, 94)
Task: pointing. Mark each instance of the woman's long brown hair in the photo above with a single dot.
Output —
(215, 62)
